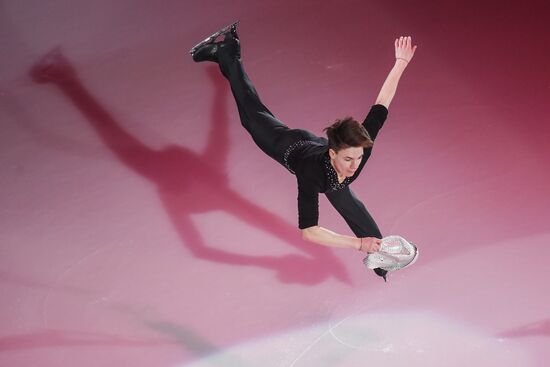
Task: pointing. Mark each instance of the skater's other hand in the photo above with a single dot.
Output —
(370, 244)
(404, 50)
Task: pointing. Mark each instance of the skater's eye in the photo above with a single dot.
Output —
(350, 158)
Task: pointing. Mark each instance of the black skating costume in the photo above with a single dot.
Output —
(299, 151)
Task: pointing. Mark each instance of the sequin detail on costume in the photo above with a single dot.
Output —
(333, 177)
(291, 149)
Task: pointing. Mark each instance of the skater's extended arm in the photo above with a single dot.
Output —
(326, 237)
(308, 216)
(404, 52)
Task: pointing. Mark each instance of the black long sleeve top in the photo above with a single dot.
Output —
(310, 162)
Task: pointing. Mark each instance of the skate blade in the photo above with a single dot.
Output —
(213, 36)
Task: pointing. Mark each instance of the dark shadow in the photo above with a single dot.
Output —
(189, 183)
(66, 338)
(538, 328)
(184, 336)
(194, 343)
(190, 340)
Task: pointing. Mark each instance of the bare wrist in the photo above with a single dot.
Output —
(359, 244)
(401, 64)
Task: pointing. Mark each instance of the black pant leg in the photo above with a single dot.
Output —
(265, 129)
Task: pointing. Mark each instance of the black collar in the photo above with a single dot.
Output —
(332, 176)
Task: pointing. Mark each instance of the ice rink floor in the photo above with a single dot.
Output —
(141, 226)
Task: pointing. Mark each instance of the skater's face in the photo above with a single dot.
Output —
(346, 161)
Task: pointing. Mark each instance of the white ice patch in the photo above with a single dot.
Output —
(398, 339)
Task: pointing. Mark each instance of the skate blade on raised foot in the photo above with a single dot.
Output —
(213, 36)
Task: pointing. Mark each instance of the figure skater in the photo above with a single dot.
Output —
(321, 165)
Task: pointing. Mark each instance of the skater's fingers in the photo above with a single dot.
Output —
(374, 244)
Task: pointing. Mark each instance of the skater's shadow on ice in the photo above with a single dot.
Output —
(190, 183)
(538, 328)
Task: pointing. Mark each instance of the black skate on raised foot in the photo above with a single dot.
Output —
(381, 273)
(207, 48)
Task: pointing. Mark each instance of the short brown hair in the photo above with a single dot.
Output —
(347, 132)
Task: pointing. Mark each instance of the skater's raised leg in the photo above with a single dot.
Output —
(255, 117)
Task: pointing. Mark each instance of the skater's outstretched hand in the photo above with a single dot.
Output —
(404, 50)
(370, 244)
